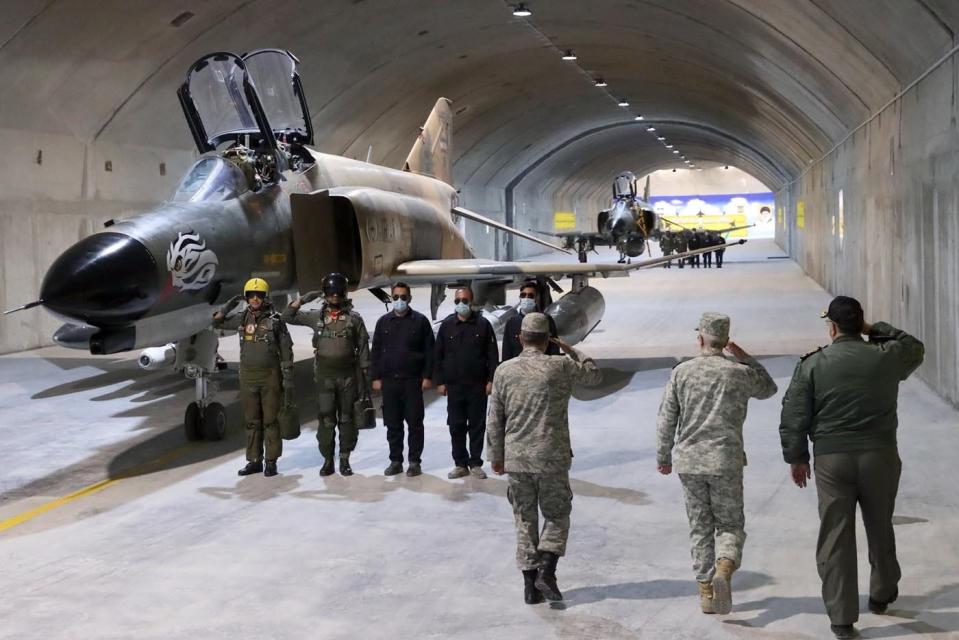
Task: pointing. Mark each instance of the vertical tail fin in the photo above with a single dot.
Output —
(430, 155)
(646, 190)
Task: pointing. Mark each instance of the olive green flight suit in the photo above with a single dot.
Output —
(266, 361)
(341, 346)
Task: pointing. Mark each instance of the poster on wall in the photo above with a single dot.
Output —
(716, 212)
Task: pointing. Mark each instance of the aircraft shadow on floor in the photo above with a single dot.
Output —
(901, 620)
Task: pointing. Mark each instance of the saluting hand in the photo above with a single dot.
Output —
(664, 469)
(800, 473)
(736, 351)
(564, 347)
(489, 388)
(441, 389)
(426, 384)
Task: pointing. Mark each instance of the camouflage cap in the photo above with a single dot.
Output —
(714, 324)
(535, 323)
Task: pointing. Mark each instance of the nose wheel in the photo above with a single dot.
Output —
(198, 360)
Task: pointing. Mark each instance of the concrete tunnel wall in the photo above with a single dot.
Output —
(896, 246)
(769, 87)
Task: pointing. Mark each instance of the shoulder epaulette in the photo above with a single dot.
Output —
(804, 356)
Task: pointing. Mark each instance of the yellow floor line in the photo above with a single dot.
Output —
(49, 506)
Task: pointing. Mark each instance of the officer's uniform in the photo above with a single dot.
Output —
(843, 398)
(721, 243)
(700, 433)
(681, 244)
(465, 359)
(511, 343)
(401, 358)
(666, 246)
(708, 241)
(266, 358)
(342, 351)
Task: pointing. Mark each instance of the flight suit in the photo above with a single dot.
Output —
(666, 245)
(341, 348)
(266, 361)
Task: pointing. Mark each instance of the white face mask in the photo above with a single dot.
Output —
(463, 310)
(400, 305)
(527, 305)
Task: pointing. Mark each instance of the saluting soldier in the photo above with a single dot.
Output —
(266, 368)
(843, 398)
(681, 245)
(465, 359)
(528, 435)
(402, 368)
(700, 424)
(528, 303)
(666, 246)
(341, 346)
(720, 251)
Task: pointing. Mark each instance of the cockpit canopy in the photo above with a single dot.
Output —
(211, 179)
(624, 186)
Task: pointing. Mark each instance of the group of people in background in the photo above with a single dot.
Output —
(671, 242)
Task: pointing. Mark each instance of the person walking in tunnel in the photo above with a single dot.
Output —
(843, 398)
(341, 346)
(401, 365)
(465, 360)
(529, 439)
(266, 368)
(701, 420)
(528, 303)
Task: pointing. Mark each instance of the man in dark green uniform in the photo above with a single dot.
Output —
(843, 398)
(266, 367)
(341, 345)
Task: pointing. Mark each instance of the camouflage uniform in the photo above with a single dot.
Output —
(341, 346)
(266, 359)
(702, 416)
(528, 431)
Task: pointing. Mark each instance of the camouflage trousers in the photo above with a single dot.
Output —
(335, 398)
(260, 397)
(714, 506)
(530, 493)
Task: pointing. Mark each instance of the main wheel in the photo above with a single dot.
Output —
(192, 422)
(214, 421)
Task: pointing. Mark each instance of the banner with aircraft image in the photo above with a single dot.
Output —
(721, 211)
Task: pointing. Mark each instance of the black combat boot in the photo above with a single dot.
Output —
(394, 469)
(546, 576)
(327, 468)
(879, 607)
(250, 468)
(270, 468)
(844, 631)
(345, 468)
(531, 594)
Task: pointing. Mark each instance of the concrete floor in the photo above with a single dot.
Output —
(175, 545)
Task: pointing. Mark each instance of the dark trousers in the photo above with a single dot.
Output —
(871, 479)
(708, 260)
(403, 401)
(719, 258)
(466, 415)
(335, 398)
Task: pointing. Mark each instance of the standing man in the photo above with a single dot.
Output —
(266, 367)
(341, 347)
(721, 249)
(707, 241)
(666, 246)
(843, 398)
(527, 304)
(466, 357)
(701, 417)
(681, 245)
(401, 365)
(529, 439)
(694, 243)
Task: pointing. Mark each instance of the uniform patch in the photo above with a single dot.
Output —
(806, 355)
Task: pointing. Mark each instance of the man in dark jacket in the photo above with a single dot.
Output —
(466, 357)
(527, 304)
(401, 365)
(843, 398)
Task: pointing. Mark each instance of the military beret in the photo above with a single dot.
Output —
(715, 325)
(535, 323)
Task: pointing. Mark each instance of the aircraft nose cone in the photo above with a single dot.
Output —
(108, 279)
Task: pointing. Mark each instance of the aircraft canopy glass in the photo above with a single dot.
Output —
(211, 179)
(274, 75)
(624, 185)
(216, 88)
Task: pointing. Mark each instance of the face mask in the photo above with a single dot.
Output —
(400, 305)
(526, 305)
(463, 310)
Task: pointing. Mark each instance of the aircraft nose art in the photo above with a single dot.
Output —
(107, 279)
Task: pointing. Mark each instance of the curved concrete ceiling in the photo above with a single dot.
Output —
(766, 85)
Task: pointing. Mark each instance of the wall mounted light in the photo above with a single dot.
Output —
(569, 56)
(520, 11)
(650, 129)
(638, 118)
(623, 102)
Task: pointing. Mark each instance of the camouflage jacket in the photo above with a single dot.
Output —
(703, 411)
(527, 426)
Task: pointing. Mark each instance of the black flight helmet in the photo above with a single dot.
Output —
(335, 284)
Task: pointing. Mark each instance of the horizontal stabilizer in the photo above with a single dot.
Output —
(475, 217)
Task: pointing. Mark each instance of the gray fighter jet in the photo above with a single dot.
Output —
(260, 202)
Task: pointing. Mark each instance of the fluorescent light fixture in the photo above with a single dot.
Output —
(569, 55)
(675, 150)
(520, 11)
(599, 82)
(623, 102)
(661, 138)
(650, 129)
(669, 146)
(638, 118)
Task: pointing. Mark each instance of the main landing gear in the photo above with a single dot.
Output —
(196, 357)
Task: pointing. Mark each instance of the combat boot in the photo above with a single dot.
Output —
(394, 469)
(844, 631)
(270, 468)
(250, 468)
(345, 468)
(546, 576)
(327, 468)
(706, 597)
(722, 586)
(414, 470)
(531, 594)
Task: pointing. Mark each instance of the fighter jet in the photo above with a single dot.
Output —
(627, 224)
(260, 202)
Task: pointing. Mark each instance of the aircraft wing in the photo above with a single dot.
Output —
(567, 234)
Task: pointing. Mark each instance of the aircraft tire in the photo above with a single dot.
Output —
(192, 421)
(214, 422)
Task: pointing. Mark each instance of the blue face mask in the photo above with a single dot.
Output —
(400, 306)
(463, 310)
(527, 305)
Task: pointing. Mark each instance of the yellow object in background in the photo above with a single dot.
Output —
(801, 214)
(710, 223)
(564, 220)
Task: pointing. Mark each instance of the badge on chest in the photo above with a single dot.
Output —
(250, 332)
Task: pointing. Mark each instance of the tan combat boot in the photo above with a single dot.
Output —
(722, 586)
(706, 597)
